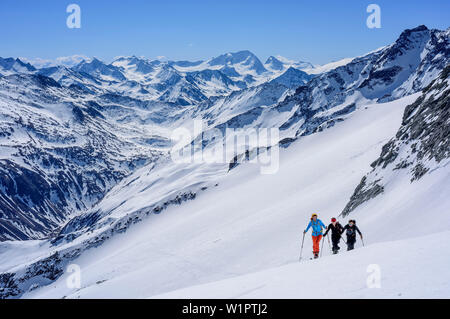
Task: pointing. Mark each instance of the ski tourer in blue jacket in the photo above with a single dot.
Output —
(317, 227)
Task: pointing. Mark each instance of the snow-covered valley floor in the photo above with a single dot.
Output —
(242, 238)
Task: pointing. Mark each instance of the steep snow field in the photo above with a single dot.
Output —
(251, 225)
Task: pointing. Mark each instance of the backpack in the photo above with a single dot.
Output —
(351, 231)
(316, 223)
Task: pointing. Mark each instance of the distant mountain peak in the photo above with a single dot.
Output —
(244, 57)
(99, 68)
(15, 65)
(292, 78)
(408, 34)
(274, 64)
(280, 63)
(419, 28)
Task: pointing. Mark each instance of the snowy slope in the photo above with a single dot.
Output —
(411, 219)
(249, 222)
(408, 269)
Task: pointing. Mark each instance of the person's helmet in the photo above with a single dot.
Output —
(314, 215)
(333, 220)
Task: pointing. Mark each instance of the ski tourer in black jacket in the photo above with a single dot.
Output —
(350, 231)
(336, 231)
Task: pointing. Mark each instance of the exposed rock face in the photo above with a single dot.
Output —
(45, 271)
(26, 199)
(421, 144)
(363, 193)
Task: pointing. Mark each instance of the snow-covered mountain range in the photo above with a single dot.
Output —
(85, 155)
(77, 131)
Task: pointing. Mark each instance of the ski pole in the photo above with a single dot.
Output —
(329, 245)
(362, 240)
(342, 237)
(322, 248)
(301, 250)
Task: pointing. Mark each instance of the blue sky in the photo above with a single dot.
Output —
(316, 31)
